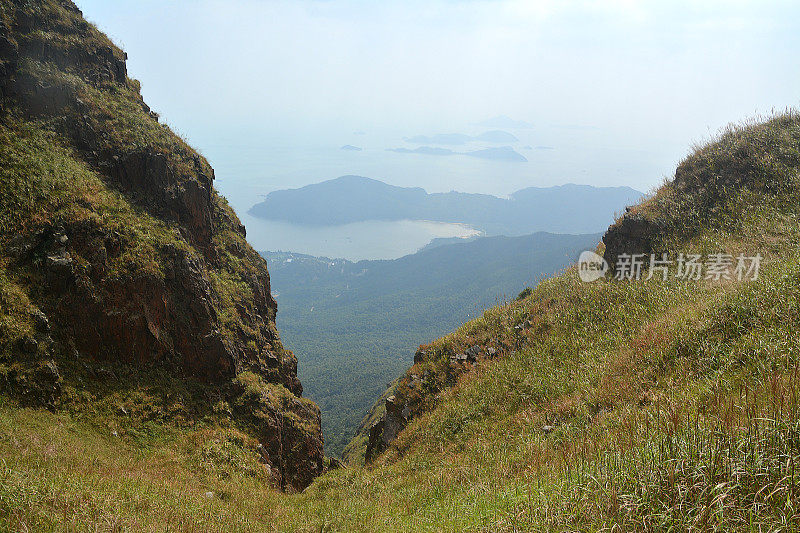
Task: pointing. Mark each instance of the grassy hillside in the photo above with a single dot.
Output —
(616, 405)
(357, 324)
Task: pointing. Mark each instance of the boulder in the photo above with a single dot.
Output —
(473, 353)
(59, 268)
(38, 386)
(459, 358)
(40, 321)
(384, 431)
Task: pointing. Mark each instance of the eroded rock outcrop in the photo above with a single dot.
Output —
(632, 234)
(386, 429)
(145, 265)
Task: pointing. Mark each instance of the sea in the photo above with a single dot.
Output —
(246, 172)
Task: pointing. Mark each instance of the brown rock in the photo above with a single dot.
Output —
(384, 431)
(179, 314)
(633, 234)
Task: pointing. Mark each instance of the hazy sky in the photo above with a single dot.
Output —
(645, 74)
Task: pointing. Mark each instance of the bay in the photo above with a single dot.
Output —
(354, 242)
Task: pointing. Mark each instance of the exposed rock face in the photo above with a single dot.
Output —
(385, 430)
(289, 429)
(186, 198)
(395, 420)
(196, 298)
(375, 444)
(437, 367)
(633, 234)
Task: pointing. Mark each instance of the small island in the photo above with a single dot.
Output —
(494, 136)
(426, 150)
(504, 153)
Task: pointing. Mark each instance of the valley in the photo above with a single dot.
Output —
(357, 324)
(451, 369)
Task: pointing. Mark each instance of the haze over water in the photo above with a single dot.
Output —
(269, 91)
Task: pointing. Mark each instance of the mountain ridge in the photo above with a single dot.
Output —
(728, 194)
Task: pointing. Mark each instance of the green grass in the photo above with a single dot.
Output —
(749, 165)
(614, 406)
(47, 182)
(43, 186)
(674, 406)
(60, 474)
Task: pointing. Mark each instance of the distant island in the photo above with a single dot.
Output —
(494, 136)
(503, 121)
(503, 153)
(426, 150)
(563, 209)
(351, 148)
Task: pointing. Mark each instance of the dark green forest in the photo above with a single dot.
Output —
(355, 326)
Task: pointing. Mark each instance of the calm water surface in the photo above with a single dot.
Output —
(360, 240)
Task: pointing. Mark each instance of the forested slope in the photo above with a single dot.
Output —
(357, 325)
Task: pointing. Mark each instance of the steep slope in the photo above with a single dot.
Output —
(356, 323)
(615, 405)
(632, 404)
(125, 279)
(747, 178)
(620, 405)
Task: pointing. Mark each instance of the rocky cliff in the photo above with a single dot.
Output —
(118, 259)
